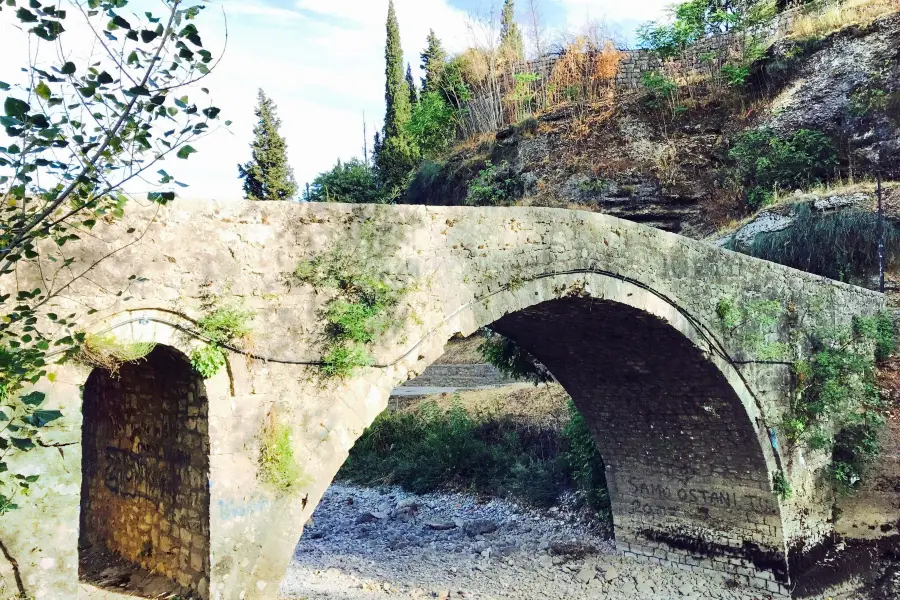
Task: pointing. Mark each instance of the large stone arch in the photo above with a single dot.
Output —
(689, 464)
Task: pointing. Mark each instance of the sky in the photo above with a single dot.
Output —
(322, 62)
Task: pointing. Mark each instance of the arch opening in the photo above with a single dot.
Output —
(145, 494)
(687, 477)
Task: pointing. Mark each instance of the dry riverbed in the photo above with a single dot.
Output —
(369, 543)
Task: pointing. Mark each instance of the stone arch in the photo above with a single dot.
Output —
(145, 496)
(689, 463)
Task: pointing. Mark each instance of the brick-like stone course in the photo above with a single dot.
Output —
(145, 482)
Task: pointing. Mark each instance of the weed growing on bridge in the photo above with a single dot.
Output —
(750, 324)
(363, 307)
(838, 405)
(106, 352)
(278, 466)
(780, 486)
(223, 324)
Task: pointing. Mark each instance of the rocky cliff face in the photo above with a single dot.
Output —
(665, 164)
(846, 85)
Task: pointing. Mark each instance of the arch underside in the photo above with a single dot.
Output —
(687, 477)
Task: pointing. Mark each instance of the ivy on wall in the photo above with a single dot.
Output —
(836, 406)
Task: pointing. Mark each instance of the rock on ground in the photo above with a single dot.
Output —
(516, 555)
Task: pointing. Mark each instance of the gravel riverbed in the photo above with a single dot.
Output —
(369, 543)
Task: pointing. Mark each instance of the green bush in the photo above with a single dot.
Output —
(585, 465)
(660, 90)
(841, 245)
(693, 21)
(429, 449)
(764, 161)
(493, 187)
(433, 124)
(350, 182)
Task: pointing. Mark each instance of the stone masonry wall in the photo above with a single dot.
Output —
(145, 490)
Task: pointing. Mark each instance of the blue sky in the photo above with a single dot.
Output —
(322, 62)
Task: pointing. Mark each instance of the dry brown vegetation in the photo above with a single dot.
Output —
(839, 15)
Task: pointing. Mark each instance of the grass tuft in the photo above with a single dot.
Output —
(106, 352)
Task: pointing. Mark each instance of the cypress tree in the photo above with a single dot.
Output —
(434, 60)
(397, 156)
(267, 176)
(396, 92)
(510, 35)
(411, 83)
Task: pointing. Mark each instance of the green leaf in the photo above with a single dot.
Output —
(45, 417)
(139, 90)
(68, 68)
(32, 478)
(26, 16)
(43, 91)
(4, 86)
(3, 467)
(13, 107)
(104, 78)
(185, 151)
(120, 22)
(148, 36)
(34, 398)
(23, 444)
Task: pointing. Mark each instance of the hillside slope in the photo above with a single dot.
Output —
(664, 161)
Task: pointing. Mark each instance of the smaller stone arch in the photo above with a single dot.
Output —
(145, 496)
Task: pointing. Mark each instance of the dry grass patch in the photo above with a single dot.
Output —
(840, 15)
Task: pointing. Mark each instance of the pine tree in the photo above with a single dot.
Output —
(510, 36)
(267, 176)
(397, 155)
(411, 83)
(434, 60)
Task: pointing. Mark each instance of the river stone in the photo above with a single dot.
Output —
(481, 527)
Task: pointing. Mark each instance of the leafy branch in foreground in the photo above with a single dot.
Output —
(77, 133)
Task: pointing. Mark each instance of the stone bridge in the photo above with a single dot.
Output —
(162, 469)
